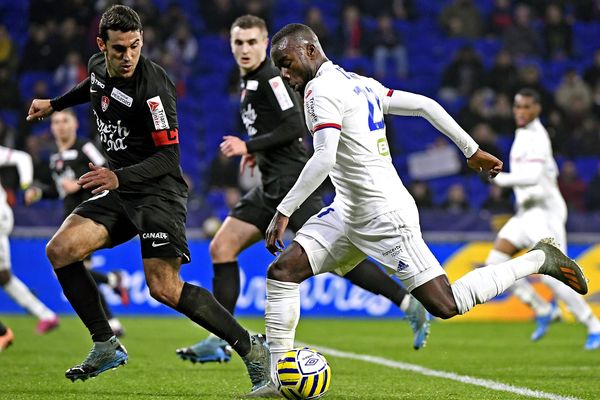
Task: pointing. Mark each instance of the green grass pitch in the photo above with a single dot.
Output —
(556, 367)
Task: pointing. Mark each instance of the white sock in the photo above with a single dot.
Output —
(522, 289)
(23, 297)
(575, 303)
(115, 324)
(483, 284)
(405, 302)
(112, 279)
(282, 313)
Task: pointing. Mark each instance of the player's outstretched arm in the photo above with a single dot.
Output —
(527, 175)
(398, 102)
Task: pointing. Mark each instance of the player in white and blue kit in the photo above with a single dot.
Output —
(541, 212)
(372, 214)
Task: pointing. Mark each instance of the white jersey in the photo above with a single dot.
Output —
(366, 182)
(531, 148)
(24, 165)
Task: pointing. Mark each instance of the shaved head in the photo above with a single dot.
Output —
(296, 51)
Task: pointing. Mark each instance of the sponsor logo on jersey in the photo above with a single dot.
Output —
(121, 97)
(96, 81)
(155, 235)
(104, 102)
(159, 117)
(252, 85)
(281, 93)
(248, 118)
(309, 106)
(112, 136)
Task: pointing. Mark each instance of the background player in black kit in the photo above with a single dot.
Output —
(142, 192)
(272, 115)
(67, 164)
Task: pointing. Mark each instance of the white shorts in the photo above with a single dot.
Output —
(335, 246)
(6, 226)
(526, 228)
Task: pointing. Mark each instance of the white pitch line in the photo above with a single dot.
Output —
(486, 383)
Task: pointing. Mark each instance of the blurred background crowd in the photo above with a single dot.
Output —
(470, 55)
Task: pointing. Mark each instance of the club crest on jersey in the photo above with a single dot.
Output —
(104, 102)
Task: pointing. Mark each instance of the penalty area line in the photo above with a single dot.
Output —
(486, 383)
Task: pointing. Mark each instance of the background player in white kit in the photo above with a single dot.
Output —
(541, 212)
(12, 285)
(372, 214)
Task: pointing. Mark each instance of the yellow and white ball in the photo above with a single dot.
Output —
(303, 373)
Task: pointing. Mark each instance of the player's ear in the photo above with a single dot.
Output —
(101, 44)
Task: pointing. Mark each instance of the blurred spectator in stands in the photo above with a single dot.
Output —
(486, 137)
(182, 45)
(351, 34)
(572, 187)
(397, 9)
(385, 43)
(478, 110)
(558, 34)
(7, 134)
(498, 201)
(504, 75)
(70, 38)
(152, 48)
(461, 19)
(223, 172)
(259, 8)
(175, 15)
(500, 17)
(148, 12)
(501, 119)
(572, 88)
(456, 199)
(593, 193)
(70, 73)
(8, 50)
(530, 77)
(421, 192)
(521, 39)
(556, 127)
(586, 10)
(9, 94)
(177, 71)
(463, 75)
(595, 101)
(218, 15)
(314, 19)
(592, 73)
(39, 54)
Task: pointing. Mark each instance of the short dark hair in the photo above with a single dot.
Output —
(249, 21)
(528, 92)
(119, 18)
(297, 30)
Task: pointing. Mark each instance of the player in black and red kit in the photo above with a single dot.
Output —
(272, 114)
(70, 161)
(141, 193)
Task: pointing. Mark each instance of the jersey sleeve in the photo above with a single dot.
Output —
(161, 109)
(324, 106)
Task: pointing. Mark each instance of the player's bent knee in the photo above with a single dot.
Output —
(443, 309)
(288, 268)
(221, 250)
(61, 254)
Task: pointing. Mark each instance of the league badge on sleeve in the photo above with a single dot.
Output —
(159, 117)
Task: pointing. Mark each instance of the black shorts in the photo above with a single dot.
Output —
(158, 220)
(259, 205)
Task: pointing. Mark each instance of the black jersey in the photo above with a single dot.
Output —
(71, 164)
(137, 125)
(272, 114)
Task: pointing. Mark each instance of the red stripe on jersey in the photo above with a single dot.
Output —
(535, 160)
(390, 92)
(165, 137)
(327, 125)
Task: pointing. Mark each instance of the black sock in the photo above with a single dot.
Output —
(104, 305)
(226, 284)
(199, 305)
(370, 277)
(2, 329)
(99, 277)
(81, 291)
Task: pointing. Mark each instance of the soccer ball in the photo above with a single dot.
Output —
(303, 374)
